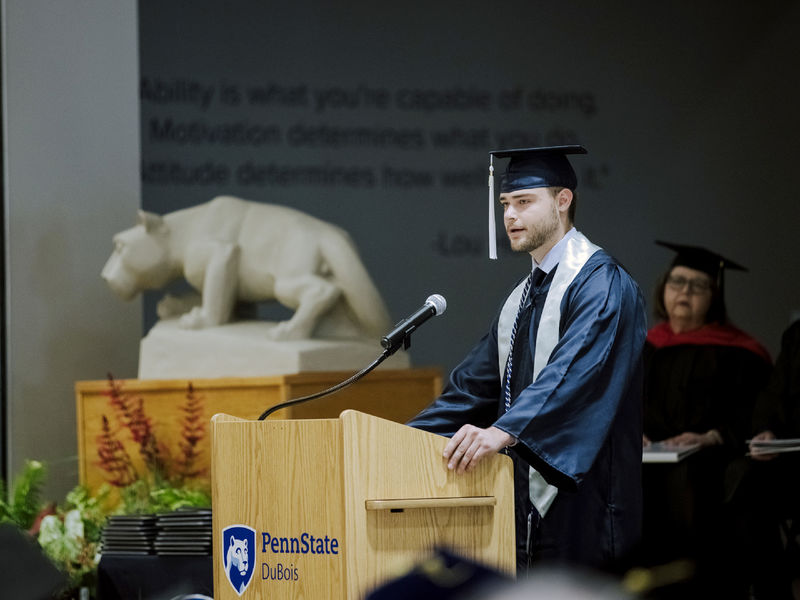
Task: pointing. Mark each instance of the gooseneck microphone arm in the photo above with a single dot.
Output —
(435, 305)
(383, 356)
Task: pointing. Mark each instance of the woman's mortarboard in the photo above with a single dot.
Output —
(530, 168)
(701, 259)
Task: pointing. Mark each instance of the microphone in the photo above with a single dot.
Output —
(399, 336)
(435, 305)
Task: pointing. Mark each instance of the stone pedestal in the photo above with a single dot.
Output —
(244, 350)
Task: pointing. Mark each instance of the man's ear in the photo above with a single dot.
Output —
(564, 199)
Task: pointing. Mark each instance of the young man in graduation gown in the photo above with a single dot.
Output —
(557, 379)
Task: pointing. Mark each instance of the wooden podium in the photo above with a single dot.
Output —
(335, 507)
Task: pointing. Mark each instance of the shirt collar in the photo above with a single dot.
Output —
(552, 258)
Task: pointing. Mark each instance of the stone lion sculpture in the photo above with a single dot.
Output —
(230, 250)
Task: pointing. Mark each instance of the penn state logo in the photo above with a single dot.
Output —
(238, 547)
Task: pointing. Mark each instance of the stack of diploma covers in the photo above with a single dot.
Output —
(129, 534)
(773, 446)
(661, 452)
(185, 531)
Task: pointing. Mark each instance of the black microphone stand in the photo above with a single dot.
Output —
(400, 337)
(383, 356)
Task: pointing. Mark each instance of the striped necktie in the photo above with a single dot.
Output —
(534, 280)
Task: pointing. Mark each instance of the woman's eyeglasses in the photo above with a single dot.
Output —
(696, 286)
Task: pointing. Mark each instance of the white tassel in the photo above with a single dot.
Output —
(492, 229)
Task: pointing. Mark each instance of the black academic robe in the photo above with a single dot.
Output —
(766, 499)
(778, 405)
(578, 423)
(695, 388)
(701, 387)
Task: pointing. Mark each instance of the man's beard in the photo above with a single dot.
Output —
(538, 235)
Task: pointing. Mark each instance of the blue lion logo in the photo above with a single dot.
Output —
(238, 541)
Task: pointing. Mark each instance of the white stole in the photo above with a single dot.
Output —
(578, 250)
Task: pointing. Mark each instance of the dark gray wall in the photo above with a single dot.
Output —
(687, 109)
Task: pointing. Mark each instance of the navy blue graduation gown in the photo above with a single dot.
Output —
(579, 424)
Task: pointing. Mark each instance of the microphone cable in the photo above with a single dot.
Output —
(343, 384)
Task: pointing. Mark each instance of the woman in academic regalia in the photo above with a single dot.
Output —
(702, 376)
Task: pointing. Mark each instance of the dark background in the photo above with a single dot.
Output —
(688, 111)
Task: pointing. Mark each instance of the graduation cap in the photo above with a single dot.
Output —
(700, 259)
(443, 575)
(527, 168)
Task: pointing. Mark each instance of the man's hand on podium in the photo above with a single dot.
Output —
(471, 444)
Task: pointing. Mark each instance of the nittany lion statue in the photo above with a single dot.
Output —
(230, 250)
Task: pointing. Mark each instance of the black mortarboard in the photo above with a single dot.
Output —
(708, 262)
(538, 167)
(546, 166)
(700, 259)
(443, 575)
